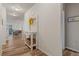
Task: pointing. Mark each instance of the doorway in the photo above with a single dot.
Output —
(72, 29)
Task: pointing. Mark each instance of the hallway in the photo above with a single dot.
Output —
(17, 47)
(34, 20)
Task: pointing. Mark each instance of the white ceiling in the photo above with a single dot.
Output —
(16, 10)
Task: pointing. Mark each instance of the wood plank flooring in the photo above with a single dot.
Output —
(16, 47)
(68, 52)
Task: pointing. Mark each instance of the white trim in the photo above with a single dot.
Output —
(72, 49)
(45, 52)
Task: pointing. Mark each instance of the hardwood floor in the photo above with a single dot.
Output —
(35, 52)
(68, 52)
(16, 47)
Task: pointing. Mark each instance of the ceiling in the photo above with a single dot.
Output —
(16, 10)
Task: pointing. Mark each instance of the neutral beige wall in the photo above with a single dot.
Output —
(48, 27)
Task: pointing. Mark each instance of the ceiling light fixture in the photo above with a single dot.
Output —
(17, 8)
(13, 14)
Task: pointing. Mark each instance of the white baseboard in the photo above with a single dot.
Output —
(72, 49)
(44, 52)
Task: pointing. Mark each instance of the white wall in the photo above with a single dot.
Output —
(72, 9)
(2, 27)
(31, 13)
(48, 27)
(72, 32)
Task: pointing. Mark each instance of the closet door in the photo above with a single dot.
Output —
(72, 41)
